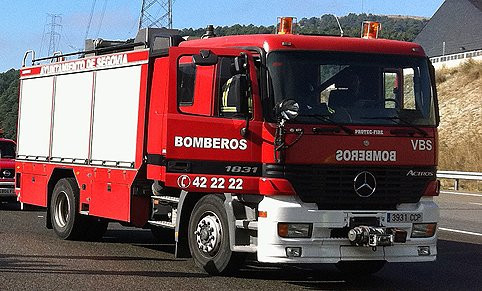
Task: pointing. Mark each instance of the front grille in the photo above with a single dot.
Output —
(7, 173)
(332, 187)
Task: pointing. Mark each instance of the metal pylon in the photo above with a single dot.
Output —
(52, 33)
(156, 13)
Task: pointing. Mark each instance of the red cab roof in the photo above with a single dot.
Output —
(273, 42)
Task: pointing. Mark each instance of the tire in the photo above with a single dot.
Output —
(163, 235)
(64, 215)
(208, 237)
(360, 268)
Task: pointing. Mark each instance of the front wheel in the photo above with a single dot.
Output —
(209, 237)
(360, 268)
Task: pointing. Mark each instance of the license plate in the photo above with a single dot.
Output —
(404, 217)
(7, 191)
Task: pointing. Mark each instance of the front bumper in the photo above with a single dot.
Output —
(322, 247)
(7, 189)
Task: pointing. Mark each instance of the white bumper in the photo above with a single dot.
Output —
(320, 248)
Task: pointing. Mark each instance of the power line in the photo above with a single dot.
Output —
(90, 19)
(101, 18)
(68, 43)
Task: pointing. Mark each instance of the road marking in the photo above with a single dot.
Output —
(460, 231)
(461, 193)
(475, 203)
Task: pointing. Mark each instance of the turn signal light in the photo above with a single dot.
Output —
(371, 29)
(286, 25)
(432, 189)
(300, 230)
(421, 230)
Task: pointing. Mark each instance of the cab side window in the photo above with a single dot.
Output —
(185, 84)
(228, 88)
(194, 87)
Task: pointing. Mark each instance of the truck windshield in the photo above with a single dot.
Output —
(353, 88)
(7, 149)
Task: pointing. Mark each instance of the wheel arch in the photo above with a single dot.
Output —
(187, 200)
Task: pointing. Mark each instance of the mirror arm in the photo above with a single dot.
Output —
(279, 142)
(245, 130)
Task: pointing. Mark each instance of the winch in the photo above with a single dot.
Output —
(369, 236)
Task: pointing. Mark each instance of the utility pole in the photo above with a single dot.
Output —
(156, 13)
(52, 32)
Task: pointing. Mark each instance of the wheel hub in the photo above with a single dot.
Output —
(209, 233)
(62, 206)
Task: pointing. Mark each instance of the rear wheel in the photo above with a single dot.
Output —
(360, 268)
(66, 221)
(209, 237)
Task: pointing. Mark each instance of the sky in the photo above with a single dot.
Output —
(23, 22)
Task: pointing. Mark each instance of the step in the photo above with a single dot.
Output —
(171, 199)
(165, 224)
(247, 224)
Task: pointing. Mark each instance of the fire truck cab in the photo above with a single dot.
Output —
(301, 149)
(7, 169)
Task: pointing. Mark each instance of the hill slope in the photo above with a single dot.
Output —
(9, 102)
(460, 131)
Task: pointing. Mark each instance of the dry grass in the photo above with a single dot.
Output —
(460, 131)
(470, 69)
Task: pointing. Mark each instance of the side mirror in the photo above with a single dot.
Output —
(241, 63)
(205, 58)
(287, 110)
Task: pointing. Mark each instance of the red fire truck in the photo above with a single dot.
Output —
(301, 149)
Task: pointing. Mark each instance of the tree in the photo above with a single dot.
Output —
(393, 27)
(9, 102)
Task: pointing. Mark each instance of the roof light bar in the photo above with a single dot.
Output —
(371, 29)
(286, 25)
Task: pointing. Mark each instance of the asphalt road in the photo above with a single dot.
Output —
(32, 257)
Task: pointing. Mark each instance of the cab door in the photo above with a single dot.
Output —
(211, 145)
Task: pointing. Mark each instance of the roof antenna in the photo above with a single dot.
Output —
(338, 21)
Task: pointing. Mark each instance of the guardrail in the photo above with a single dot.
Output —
(456, 176)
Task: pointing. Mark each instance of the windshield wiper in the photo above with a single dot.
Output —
(325, 118)
(403, 121)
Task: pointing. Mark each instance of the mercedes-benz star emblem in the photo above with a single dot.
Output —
(364, 184)
(6, 173)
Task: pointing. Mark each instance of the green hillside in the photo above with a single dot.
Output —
(9, 102)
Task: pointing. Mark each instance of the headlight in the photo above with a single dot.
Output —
(420, 230)
(300, 230)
